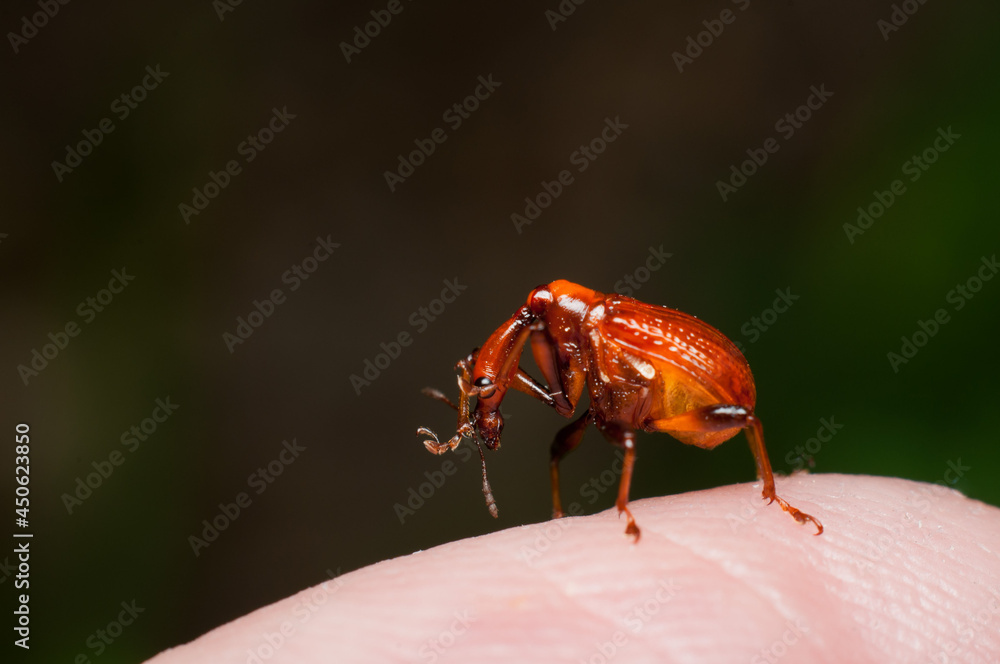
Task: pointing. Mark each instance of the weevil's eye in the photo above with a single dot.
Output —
(485, 386)
(490, 426)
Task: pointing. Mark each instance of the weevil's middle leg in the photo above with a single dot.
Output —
(566, 441)
(624, 438)
(628, 443)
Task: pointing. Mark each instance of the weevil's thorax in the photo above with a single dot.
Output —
(564, 308)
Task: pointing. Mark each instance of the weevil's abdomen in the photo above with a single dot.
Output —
(686, 362)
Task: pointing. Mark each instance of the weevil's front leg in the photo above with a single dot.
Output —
(523, 382)
(725, 416)
(464, 428)
(520, 381)
(438, 395)
(566, 379)
(496, 363)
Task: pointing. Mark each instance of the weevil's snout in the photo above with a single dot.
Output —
(489, 426)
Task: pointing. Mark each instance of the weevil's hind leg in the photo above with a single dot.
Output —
(755, 434)
(624, 438)
(566, 441)
(726, 416)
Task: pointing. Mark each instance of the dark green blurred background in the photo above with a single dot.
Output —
(323, 176)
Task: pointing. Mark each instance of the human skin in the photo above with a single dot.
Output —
(904, 572)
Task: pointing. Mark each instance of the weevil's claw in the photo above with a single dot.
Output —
(800, 516)
(632, 530)
(815, 521)
(433, 446)
(804, 518)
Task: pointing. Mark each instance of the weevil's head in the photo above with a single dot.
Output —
(489, 426)
(488, 420)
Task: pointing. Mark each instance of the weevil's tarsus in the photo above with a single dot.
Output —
(435, 446)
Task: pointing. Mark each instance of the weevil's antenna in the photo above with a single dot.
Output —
(491, 503)
(437, 395)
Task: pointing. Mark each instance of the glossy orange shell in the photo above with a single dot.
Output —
(649, 362)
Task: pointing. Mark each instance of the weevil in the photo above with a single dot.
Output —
(645, 368)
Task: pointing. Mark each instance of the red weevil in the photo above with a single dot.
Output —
(645, 367)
